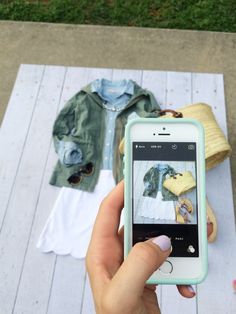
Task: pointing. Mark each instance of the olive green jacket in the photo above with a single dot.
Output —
(82, 121)
(151, 183)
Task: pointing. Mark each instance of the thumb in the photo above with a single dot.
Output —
(143, 259)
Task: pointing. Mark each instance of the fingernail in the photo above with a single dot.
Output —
(163, 242)
(190, 288)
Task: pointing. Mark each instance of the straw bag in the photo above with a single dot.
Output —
(180, 183)
(217, 148)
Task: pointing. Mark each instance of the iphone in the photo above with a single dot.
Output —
(164, 173)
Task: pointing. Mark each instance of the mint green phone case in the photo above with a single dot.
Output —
(201, 186)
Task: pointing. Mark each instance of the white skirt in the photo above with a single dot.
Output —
(69, 226)
(157, 208)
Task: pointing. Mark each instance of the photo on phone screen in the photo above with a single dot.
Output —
(164, 199)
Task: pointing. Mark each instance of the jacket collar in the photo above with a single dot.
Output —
(138, 93)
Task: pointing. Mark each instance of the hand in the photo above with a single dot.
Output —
(118, 285)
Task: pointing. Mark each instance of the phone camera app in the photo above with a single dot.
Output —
(165, 195)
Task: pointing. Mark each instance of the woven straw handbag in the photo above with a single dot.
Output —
(180, 183)
(217, 148)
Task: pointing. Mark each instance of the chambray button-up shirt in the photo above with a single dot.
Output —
(116, 95)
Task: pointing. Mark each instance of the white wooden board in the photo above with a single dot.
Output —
(32, 282)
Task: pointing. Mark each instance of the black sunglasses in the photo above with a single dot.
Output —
(77, 177)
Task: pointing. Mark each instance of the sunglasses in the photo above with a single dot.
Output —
(77, 177)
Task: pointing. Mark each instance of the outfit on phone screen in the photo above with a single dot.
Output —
(158, 201)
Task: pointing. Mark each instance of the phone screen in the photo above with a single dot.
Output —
(164, 194)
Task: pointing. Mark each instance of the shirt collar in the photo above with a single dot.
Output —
(162, 167)
(96, 85)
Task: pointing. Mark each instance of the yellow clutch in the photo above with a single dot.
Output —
(180, 183)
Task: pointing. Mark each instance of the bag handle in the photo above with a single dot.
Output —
(175, 114)
(174, 175)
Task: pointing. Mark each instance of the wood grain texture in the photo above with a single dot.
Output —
(24, 197)
(32, 282)
(15, 128)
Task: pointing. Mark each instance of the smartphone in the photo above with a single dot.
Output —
(164, 173)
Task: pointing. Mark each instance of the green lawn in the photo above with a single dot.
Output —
(213, 15)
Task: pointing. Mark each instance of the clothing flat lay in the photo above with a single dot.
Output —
(158, 201)
(88, 139)
(86, 136)
(153, 181)
(94, 120)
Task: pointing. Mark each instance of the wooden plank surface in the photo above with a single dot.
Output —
(178, 93)
(33, 298)
(32, 282)
(222, 254)
(13, 132)
(27, 184)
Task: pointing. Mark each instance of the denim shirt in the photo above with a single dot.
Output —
(153, 182)
(83, 122)
(115, 95)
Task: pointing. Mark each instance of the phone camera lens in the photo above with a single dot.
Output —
(154, 133)
(163, 128)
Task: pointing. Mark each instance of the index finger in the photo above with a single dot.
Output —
(108, 218)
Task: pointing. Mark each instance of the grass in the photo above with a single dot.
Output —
(213, 15)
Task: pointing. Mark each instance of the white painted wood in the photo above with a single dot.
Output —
(13, 132)
(173, 302)
(156, 82)
(222, 254)
(33, 298)
(212, 94)
(135, 75)
(33, 282)
(24, 198)
(178, 89)
(88, 304)
(37, 274)
(68, 286)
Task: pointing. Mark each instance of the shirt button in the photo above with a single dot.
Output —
(108, 144)
(106, 158)
(109, 131)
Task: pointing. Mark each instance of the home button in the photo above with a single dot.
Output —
(166, 268)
